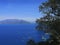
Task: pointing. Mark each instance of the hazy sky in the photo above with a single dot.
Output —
(20, 9)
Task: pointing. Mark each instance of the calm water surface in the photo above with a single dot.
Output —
(19, 34)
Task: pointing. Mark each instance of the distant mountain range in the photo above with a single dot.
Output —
(13, 21)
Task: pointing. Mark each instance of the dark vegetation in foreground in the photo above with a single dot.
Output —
(51, 10)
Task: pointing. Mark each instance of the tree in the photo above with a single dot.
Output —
(31, 42)
(51, 10)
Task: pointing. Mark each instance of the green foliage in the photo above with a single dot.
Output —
(31, 42)
(50, 6)
(51, 10)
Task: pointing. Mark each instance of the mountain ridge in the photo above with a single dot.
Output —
(14, 21)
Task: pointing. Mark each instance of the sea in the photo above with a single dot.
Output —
(20, 34)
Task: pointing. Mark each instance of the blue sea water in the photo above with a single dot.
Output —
(19, 34)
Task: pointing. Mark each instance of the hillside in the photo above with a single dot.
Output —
(13, 21)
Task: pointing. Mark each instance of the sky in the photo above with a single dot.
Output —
(20, 9)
